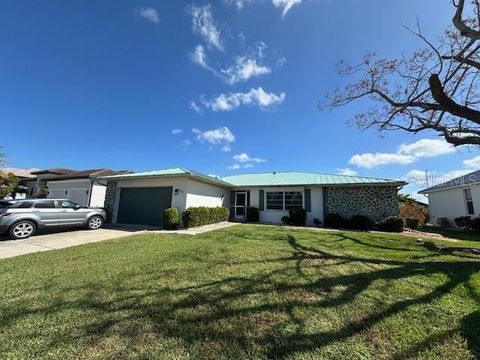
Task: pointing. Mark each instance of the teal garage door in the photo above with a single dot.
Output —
(143, 206)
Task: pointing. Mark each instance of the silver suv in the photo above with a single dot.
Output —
(22, 218)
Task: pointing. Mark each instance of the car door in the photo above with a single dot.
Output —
(70, 213)
(47, 211)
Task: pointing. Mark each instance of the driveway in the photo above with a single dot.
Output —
(58, 240)
(61, 239)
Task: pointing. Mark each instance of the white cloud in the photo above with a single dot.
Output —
(203, 24)
(244, 158)
(347, 172)
(406, 154)
(237, 3)
(199, 57)
(246, 67)
(186, 143)
(286, 5)
(193, 105)
(148, 13)
(256, 97)
(176, 131)
(473, 163)
(220, 136)
(370, 161)
(426, 148)
(421, 179)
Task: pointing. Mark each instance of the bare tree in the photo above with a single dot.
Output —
(437, 88)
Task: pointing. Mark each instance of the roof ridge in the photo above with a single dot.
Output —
(308, 172)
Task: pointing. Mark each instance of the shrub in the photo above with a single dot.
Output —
(286, 220)
(359, 222)
(199, 216)
(317, 222)
(443, 222)
(412, 223)
(333, 220)
(297, 216)
(253, 215)
(475, 224)
(391, 224)
(463, 222)
(411, 210)
(171, 218)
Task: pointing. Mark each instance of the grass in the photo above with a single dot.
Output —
(242, 292)
(453, 234)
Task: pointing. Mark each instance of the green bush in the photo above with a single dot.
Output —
(171, 218)
(443, 222)
(359, 222)
(297, 216)
(317, 222)
(391, 224)
(199, 216)
(412, 223)
(475, 224)
(286, 220)
(334, 220)
(464, 222)
(253, 215)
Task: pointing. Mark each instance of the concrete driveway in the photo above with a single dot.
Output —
(58, 240)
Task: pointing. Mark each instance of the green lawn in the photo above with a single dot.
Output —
(242, 292)
(452, 233)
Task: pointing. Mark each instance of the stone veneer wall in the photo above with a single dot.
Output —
(376, 202)
(109, 204)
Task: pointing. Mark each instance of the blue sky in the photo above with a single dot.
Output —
(221, 87)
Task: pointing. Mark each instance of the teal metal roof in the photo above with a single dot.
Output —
(263, 179)
(302, 178)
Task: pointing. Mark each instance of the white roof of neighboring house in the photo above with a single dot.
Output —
(20, 172)
(465, 180)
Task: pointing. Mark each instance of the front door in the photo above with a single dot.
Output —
(240, 205)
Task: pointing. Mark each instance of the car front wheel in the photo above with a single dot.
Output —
(94, 223)
(22, 230)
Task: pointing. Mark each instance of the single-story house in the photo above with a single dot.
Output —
(80, 186)
(140, 198)
(454, 198)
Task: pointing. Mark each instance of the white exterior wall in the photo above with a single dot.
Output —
(450, 203)
(97, 197)
(275, 216)
(179, 201)
(75, 190)
(201, 194)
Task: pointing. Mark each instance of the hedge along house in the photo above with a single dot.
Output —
(140, 198)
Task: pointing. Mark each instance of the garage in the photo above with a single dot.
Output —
(144, 205)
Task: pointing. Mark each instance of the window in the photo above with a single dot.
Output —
(45, 205)
(293, 200)
(22, 205)
(5, 204)
(469, 201)
(65, 204)
(284, 200)
(275, 200)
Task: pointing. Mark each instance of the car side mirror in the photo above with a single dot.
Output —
(77, 207)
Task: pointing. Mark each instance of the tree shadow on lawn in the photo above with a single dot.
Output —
(235, 312)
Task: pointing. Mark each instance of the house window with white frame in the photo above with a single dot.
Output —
(469, 201)
(280, 200)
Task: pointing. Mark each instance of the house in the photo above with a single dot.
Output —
(454, 198)
(140, 198)
(83, 187)
(23, 176)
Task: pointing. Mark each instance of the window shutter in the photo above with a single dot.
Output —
(308, 200)
(261, 205)
(248, 198)
(232, 198)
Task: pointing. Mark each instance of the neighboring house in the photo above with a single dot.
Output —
(140, 198)
(23, 175)
(82, 187)
(454, 198)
